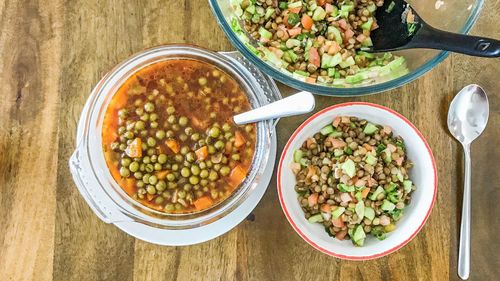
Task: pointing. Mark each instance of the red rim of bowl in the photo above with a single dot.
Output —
(296, 228)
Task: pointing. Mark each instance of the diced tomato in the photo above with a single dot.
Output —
(342, 23)
(334, 48)
(360, 183)
(338, 222)
(341, 234)
(368, 147)
(328, 8)
(399, 161)
(392, 148)
(337, 143)
(360, 38)
(313, 199)
(295, 10)
(293, 32)
(314, 56)
(348, 34)
(321, 2)
(336, 121)
(310, 80)
(325, 208)
(365, 192)
(307, 22)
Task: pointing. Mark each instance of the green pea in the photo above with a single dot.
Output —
(171, 119)
(139, 125)
(213, 176)
(154, 158)
(122, 113)
(203, 174)
(129, 135)
(195, 170)
(202, 165)
(144, 146)
(149, 107)
(157, 167)
(202, 81)
(178, 207)
(121, 130)
(178, 158)
(219, 145)
(228, 135)
(202, 142)
(170, 134)
(224, 160)
(139, 111)
(185, 172)
(153, 117)
(153, 125)
(170, 177)
(176, 127)
(226, 127)
(134, 167)
(162, 158)
(235, 157)
(190, 157)
(183, 121)
(214, 132)
(213, 115)
(151, 142)
(153, 179)
(149, 168)
(188, 131)
(125, 162)
(183, 137)
(211, 149)
(194, 180)
(217, 167)
(188, 187)
(248, 128)
(181, 194)
(170, 110)
(169, 207)
(115, 146)
(144, 134)
(142, 168)
(184, 150)
(145, 178)
(145, 117)
(175, 167)
(161, 185)
(140, 184)
(204, 182)
(159, 200)
(160, 134)
(150, 152)
(225, 170)
(124, 172)
(138, 175)
(146, 160)
(195, 137)
(209, 163)
(151, 190)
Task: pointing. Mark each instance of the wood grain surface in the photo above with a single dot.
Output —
(52, 53)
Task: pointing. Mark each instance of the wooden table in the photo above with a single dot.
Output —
(52, 53)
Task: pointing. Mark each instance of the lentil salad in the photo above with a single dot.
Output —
(352, 177)
(317, 41)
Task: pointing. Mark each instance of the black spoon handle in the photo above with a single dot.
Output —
(432, 38)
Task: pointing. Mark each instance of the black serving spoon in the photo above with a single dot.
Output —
(401, 28)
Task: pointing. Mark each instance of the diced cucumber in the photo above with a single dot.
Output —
(269, 13)
(377, 191)
(302, 73)
(290, 56)
(397, 214)
(360, 209)
(272, 58)
(350, 232)
(335, 11)
(264, 33)
(359, 236)
(315, 218)
(381, 147)
(326, 130)
(319, 14)
(331, 72)
(336, 33)
(356, 78)
(407, 185)
(338, 212)
(338, 152)
(392, 186)
(348, 150)
(399, 175)
(368, 24)
(387, 205)
(372, 7)
(370, 129)
(394, 197)
(388, 157)
(370, 159)
(297, 155)
(347, 7)
(367, 55)
(358, 196)
(326, 161)
(378, 231)
(349, 168)
(348, 62)
(295, 4)
(335, 134)
(251, 9)
(367, 42)
(369, 213)
(344, 14)
(305, 162)
(328, 61)
(345, 188)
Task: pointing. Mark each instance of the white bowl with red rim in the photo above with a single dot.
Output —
(423, 175)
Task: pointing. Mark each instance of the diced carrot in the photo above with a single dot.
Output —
(295, 10)
(134, 149)
(202, 153)
(198, 123)
(341, 234)
(325, 208)
(310, 80)
(237, 176)
(162, 174)
(313, 199)
(348, 34)
(285, 20)
(314, 56)
(342, 24)
(374, 26)
(203, 203)
(321, 2)
(129, 186)
(239, 139)
(173, 145)
(336, 121)
(368, 147)
(338, 222)
(307, 22)
(365, 192)
(294, 31)
(229, 148)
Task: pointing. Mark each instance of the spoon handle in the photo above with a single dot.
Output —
(464, 247)
(432, 38)
(300, 103)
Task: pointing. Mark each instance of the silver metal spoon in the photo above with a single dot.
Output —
(300, 103)
(467, 118)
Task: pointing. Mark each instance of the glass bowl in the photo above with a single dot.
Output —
(453, 16)
(88, 166)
